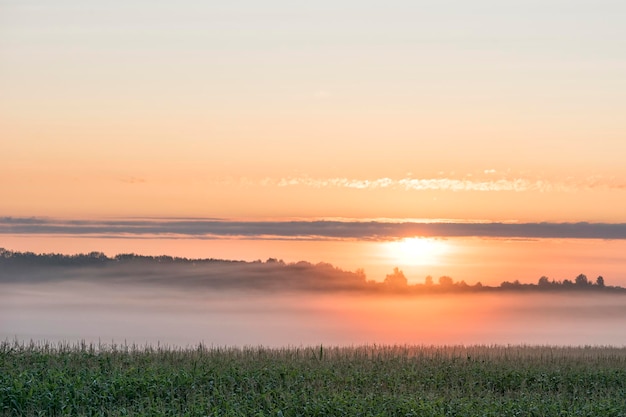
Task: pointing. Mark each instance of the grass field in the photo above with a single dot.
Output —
(312, 381)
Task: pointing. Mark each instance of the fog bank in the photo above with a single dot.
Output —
(72, 311)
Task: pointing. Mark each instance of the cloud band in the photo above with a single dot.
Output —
(319, 229)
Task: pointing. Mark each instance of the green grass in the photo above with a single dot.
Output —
(92, 380)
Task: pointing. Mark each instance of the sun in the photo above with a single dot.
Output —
(417, 250)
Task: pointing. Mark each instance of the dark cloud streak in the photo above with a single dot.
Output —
(321, 229)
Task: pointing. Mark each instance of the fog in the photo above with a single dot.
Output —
(145, 312)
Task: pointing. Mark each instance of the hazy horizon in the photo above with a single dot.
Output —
(140, 301)
(486, 259)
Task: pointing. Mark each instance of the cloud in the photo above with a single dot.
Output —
(318, 229)
(413, 184)
(468, 183)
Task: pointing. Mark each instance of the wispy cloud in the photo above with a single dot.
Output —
(318, 229)
(413, 184)
(486, 182)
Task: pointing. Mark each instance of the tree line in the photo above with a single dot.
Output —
(398, 280)
(8, 257)
(272, 273)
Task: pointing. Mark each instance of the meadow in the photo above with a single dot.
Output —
(124, 380)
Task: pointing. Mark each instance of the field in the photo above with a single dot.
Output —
(113, 380)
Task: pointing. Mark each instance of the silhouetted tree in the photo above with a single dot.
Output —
(428, 281)
(445, 281)
(97, 257)
(396, 279)
(510, 285)
(274, 261)
(543, 281)
(600, 281)
(581, 280)
(360, 273)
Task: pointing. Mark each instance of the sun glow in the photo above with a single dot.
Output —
(418, 251)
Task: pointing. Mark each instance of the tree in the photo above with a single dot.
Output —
(445, 281)
(360, 273)
(275, 261)
(396, 279)
(581, 280)
(97, 256)
(463, 285)
(600, 281)
(543, 281)
(428, 281)
(511, 285)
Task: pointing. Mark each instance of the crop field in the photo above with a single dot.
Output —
(114, 380)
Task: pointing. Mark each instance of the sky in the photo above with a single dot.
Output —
(485, 110)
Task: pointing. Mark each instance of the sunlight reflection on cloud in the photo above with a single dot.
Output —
(420, 184)
(515, 184)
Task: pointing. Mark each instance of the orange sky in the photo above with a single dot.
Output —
(327, 110)
(482, 111)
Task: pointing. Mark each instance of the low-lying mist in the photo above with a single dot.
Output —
(272, 304)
